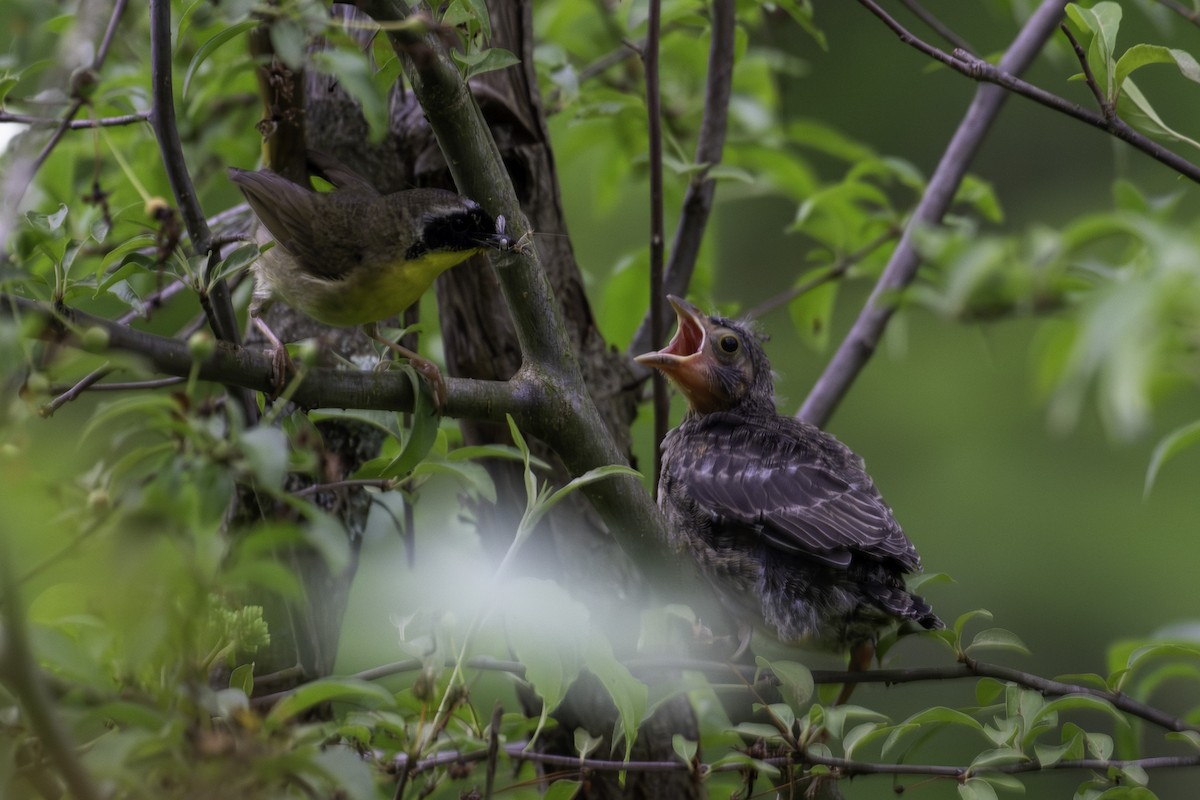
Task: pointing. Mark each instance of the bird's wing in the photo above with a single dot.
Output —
(803, 491)
(289, 211)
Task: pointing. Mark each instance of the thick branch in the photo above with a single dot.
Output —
(219, 307)
(562, 413)
(321, 388)
(859, 345)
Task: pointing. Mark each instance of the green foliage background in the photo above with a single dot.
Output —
(1022, 481)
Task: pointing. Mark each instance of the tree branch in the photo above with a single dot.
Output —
(320, 388)
(214, 294)
(76, 124)
(554, 404)
(698, 201)
(20, 673)
(859, 345)
(658, 310)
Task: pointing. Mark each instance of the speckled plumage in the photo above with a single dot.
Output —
(780, 517)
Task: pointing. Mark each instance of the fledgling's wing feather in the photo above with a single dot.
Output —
(802, 490)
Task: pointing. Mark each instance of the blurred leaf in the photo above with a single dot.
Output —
(355, 74)
(266, 454)
(685, 748)
(562, 789)
(288, 40)
(628, 694)
(325, 690)
(212, 45)
(1168, 447)
(812, 314)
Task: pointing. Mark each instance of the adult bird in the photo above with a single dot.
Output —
(354, 256)
(780, 517)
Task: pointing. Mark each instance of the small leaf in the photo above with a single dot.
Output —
(585, 743)
(562, 790)
(266, 453)
(242, 678)
(998, 639)
(345, 690)
(795, 679)
(1048, 755)
(490, 60)
(976, 789)
(996, 758)
(212, 45)
(685, 748)
(1170, 446)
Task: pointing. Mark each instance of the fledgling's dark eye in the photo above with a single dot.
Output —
(728, 343)
(460, 223)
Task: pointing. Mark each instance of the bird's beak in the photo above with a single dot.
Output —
(683, 360)
(499, 240)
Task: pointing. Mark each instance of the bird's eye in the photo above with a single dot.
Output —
(459, 223)
(728, 343)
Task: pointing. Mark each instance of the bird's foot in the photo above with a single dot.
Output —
(423, 366)
(281, 362)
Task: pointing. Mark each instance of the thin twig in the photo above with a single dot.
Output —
(1106, 106)
(360, 483)
(698, 201)
(662, 402)
(1189, 14)
(840, 267)
(859, 345)
(843, 767)
(75, 391)
(936, 25)
(76, 124)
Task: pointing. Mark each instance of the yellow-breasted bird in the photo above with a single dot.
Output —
(781, 517)
(354, 256)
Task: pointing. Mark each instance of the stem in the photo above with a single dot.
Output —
(662, 403)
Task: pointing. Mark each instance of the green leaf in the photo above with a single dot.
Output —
(266, 454)
(988, 691)
(1134, 106)
(812, 313)
(899, 736)
(998, 757)
(685, 748)
(490, 60)
(795, 680)
(591, 476)
(946, 716)
(242, 678)
(420, 438)
(1070, 749)
(1142, 54)
(961, 623)
(288, 40)
(629, 695)
(862, 734)
(325, 690)
(562, 789)
(976, 789)
(1080, 702)
(998, 639)
(212, 45)
(1190, 737)
(1170, 446)
(355, 74)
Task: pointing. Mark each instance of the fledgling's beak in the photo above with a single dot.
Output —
(685, 359)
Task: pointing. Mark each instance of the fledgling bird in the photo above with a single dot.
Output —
(781, 517)
(354, 256)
